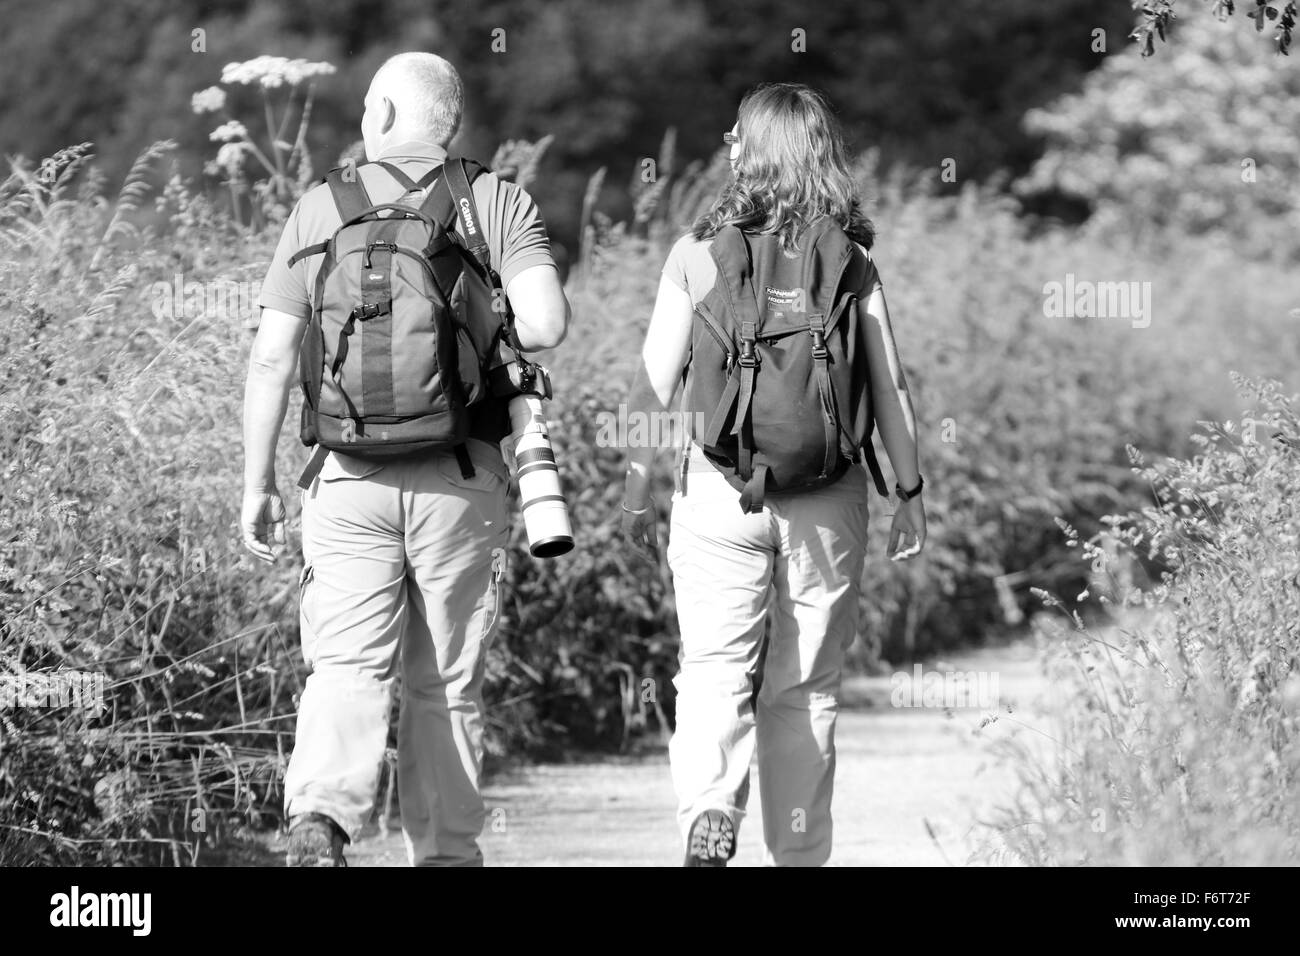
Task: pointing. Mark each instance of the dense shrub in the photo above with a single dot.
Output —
(1176, 729)
(119, 440)
(588, 641)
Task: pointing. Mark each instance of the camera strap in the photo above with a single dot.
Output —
(471, 225)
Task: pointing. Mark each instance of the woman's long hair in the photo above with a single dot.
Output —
(791, 170)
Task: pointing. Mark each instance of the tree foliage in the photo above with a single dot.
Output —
(924, 81)
(1208, 142)
(1155, 19)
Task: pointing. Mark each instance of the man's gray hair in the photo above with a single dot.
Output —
(427, 92)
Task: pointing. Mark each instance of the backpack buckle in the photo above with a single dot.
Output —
(748, 358)
(819, 350)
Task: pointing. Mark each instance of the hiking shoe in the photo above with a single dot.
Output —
(315, 840)
(712, 841)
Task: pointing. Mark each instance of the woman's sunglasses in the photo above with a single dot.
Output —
(731, 139)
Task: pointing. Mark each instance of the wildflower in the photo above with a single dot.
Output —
(300, 70)
(273, 71)
(209, 100)
(229, 132)
(230, 155)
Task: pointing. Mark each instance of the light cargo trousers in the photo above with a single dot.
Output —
(403, 573)
(799, 561)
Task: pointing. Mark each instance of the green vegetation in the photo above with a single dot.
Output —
(126, 323)
(923, 80)
(1177, 725)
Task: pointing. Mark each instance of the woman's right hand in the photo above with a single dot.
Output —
(909, 519)
(640, 532)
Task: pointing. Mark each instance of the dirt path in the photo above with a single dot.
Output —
(897, 769)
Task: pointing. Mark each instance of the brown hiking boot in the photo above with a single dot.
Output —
(315, 840)
(712, 841)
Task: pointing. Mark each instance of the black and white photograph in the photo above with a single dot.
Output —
(650, 433)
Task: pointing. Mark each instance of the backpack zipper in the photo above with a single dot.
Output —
(717, 334)
(372, 246)
(398, 250)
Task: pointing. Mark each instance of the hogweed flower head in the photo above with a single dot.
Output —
(208, 101)
(230, 157)
(229, 132)
(270, 72)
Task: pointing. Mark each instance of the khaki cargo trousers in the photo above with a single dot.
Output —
(404, 563)
(768, 602)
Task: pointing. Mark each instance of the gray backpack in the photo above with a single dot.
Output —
(777, 370)
(404, 321)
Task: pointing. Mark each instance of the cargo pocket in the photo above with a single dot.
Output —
(496, 594)
(307, 634)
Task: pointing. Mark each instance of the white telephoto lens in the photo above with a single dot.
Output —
(546, 516)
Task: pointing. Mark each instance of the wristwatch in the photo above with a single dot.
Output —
(909, 495)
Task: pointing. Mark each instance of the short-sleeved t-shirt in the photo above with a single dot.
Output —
(512, 225)
(691, 268)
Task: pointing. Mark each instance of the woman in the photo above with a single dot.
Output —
(802, 551)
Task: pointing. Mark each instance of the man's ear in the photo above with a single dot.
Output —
(390, 116)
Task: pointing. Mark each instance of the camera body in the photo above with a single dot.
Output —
(520, 378)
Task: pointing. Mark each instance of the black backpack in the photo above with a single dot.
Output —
(404, 323)
(777, 374)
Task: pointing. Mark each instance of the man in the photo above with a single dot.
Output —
(403, 559)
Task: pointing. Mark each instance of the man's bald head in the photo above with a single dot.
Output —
(412, 96)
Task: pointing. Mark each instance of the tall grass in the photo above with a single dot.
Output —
(120, 437)
(1175, 729)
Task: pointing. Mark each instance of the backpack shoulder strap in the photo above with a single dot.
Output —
(350, 199)
(405, 181)
(828, 253)
(732, 253)
(350, 196)
(409, 184)
(846, 273)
